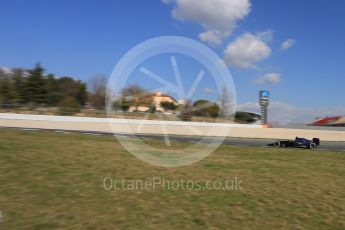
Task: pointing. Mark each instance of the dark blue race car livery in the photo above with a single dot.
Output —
(297, 143)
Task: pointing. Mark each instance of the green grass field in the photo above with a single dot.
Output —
(55, 181)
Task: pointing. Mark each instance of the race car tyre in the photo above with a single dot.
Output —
(277, 144)
(312, 145)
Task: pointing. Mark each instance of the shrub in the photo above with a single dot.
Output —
(168, 105)
(243, 117)
(69, 106)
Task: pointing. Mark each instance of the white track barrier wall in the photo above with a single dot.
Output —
(29, 117)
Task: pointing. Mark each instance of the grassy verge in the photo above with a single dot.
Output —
(55, 181)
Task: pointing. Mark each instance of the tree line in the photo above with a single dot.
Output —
(34, 87)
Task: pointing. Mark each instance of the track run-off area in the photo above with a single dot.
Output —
(234, 134)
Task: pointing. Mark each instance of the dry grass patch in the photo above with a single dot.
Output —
(55, 181)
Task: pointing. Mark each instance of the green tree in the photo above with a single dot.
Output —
(121, 104)
(54, 96)
(36, 90)
(32, 86)
(67, 86)
(19, 83)
(243, 117)
(205, 108)
(7, 92)
(134, 95)
(213, 110)
(81, 94)
(168, 105)
(69, 106)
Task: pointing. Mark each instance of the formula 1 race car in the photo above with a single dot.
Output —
(297, 143)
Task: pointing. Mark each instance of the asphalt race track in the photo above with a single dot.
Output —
(334, 146)
(253, 142)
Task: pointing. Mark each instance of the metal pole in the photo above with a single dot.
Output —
(264, 115)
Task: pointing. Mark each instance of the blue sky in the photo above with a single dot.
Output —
(86, 38)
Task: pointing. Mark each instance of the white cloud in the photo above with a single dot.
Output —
(284, 113)
(246, 50)
(213, 36)
(265, 36)
(287, 44)
(218, 17)
(272, 78)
